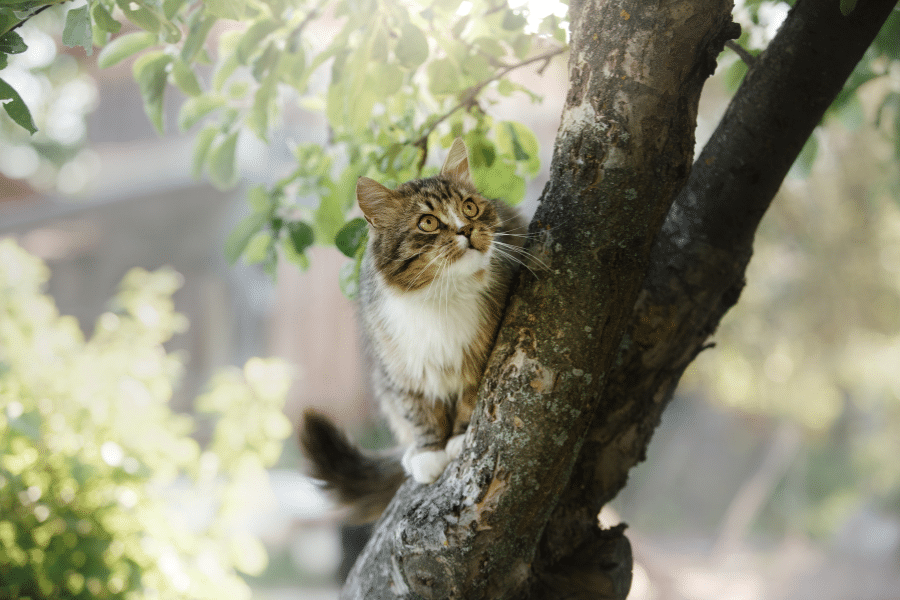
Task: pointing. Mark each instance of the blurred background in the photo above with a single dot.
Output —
(775, 471)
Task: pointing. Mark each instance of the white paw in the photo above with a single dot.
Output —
(455, 446)
(425, 466)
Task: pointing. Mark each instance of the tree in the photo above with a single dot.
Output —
(646, 248)
(597, 401)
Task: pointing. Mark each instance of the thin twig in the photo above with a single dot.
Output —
(310, 16)
(468, 99)
(742, 52)
(36, 12)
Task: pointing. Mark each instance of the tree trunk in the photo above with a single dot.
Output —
(567, 405)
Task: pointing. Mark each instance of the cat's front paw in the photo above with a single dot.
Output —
(455, 446)
(425, 466)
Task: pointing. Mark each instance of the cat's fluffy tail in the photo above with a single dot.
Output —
(364, 482)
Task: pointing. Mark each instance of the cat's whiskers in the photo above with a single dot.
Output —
(516, 260)
(527, 234)
(424, 269)
(516, 254)
(446, 288)
(513, 217)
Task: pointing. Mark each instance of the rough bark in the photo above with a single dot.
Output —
(697, 268)
(568, 405)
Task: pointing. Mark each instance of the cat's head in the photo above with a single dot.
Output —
(430, 228)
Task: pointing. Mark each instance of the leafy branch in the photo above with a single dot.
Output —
(470, 95)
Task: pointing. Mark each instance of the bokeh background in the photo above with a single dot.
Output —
(774, 474)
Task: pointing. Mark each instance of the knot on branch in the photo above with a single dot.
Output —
(713, 46)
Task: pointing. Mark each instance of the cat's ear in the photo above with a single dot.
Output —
(377, 202)
(456, 167)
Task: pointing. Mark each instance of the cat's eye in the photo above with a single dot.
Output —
(470, 209)
(428, 223)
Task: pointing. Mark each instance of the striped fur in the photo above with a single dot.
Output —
(433, 287)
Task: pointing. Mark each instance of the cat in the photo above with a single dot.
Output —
(433, 284)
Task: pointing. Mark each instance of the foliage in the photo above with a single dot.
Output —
(390, 77)
(104, 493)
(56, 94)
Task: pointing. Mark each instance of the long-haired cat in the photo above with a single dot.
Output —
(433, 286)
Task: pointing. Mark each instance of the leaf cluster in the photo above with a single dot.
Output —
(104, 493)
(391, 78)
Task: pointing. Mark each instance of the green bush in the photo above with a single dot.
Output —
(104, 493)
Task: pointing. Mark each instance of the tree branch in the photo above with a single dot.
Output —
(699, 259)
(742, 52)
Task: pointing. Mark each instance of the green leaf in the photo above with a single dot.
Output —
(185, 79)
(170, 7)
(260, 200)
(803, 165)
(513, 20)
(251, 39)
(500, 181)
(443, 77)
(352, 236)
(12, 43)
(140, 14)
(490, 46)
(348, 277)
(520, 142)
(412, 48)
(150, 74)
(257, 248)
(103, 19)
(8, 20)
(329, 216)
(260, 112)
(301, 235)
(897, 133)
(221, 168)
(245, 231)
(334, 105)
(521, 45)
(27, 424)
(194, 109)
(16, 108)
(847, 6)
(124, 46)
(77, 31)
(386, 79)
(227, 9)
(223, 71)
(288, 251)
(482, 152)
(361, 106)
(198, 29)
(201, 148)
(267, 65)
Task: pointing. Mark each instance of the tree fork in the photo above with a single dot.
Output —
(623, 151)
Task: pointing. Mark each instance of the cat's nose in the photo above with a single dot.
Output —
(465, 230)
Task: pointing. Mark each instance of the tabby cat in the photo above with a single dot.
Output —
(433, 285)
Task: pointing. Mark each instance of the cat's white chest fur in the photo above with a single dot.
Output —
(430, 330)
